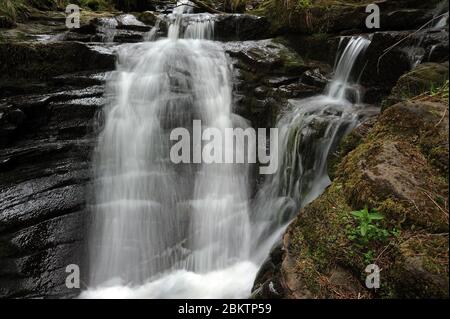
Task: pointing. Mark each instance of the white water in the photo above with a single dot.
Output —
(162, 230)
(154, 221)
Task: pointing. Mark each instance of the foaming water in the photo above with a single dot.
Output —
(183, 225)
(232, 282)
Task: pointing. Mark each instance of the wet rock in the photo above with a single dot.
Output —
(148, 17)
(260, 92)
(297, 90)
(438, 52)
(315, 78)
(44, 60)
(419, 80)
(266, 74)
(127, 36)
(282, 80)
(404, 19)
(6, 22)
(122, 28)
(137, 5)
(268, 282)
(320, 47)
(383, 68)
(129, 22)
(267, 55)
(241, 27)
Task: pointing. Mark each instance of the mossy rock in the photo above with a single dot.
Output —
(421, 269)
(389, 169)
(423, 78)
(392, 170)
(348, 144)
(318, 246)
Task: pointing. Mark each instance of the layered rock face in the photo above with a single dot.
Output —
(50, 93)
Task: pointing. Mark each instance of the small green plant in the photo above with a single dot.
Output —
(440, 91)
(368, 228)
(369, 256)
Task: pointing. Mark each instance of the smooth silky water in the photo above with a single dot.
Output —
(165, 230)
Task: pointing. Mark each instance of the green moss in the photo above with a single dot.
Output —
(14, 9)
(421, 268)
(306, 16)
(392, 169)
(427, 77)
(292, 62)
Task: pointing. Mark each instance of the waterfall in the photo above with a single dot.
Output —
(153, 220)
(165, 230)
(308, 131)
(340, 86)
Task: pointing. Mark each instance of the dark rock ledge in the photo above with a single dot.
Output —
(50, 94)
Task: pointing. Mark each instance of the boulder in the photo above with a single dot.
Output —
(399, 168)
(124, 28)
(148, 17)
(129, 22)
(266, 74)
(423, 78)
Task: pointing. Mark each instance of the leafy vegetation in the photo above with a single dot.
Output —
(440, 91)
(368, 227)
(368, 230)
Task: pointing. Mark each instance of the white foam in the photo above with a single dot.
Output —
(232, 282)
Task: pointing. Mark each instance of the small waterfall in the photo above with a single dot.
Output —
(155, 221)
(341, 86)
(308, 132)
(107, 27)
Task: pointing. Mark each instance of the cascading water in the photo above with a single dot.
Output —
(177, 225)
(163, 230)
(308, 131)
